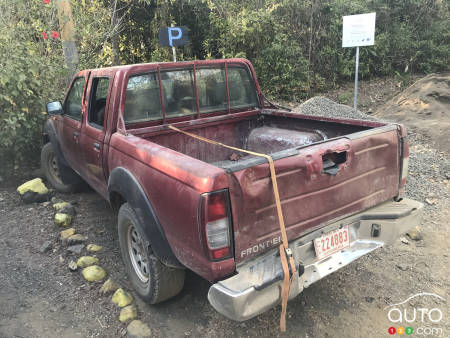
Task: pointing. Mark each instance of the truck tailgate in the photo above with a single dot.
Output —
(310, 198)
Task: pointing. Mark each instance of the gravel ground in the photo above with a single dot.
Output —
(40, 297)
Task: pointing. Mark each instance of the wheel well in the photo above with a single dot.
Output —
(116, 200)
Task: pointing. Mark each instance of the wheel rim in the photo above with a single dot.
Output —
(53, 167)
(138, 254)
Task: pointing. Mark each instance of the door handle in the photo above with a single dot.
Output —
(96, 145)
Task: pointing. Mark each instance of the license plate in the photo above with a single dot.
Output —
(332, 242)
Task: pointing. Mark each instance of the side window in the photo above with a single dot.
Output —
(241, 87)
(178, 89)
(212, 89)
(142, 101)
(72, 106)
(97, 101)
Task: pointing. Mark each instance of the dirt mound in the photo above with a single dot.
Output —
(425, 107)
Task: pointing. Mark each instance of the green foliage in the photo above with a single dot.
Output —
(283, 70)
(30, 74)
(33, 72)
(344, 98)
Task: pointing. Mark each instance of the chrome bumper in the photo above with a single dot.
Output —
(257, 285)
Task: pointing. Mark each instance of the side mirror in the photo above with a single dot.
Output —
(54, 108)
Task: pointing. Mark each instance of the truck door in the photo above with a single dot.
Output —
(93, 132)
(74, 109)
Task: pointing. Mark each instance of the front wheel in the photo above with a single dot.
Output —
(153, 281)
(50, 167)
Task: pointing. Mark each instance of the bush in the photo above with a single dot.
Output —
(30, 73)
(282, 70)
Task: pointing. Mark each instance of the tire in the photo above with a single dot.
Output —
(50, 167)
(153, 281)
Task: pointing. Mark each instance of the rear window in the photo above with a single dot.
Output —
(143, 103)
(241, 87)
(179, 94)
(212, 89)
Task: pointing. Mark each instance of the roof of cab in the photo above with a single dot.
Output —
(170, 64)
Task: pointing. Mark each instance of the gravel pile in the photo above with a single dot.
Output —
(322, 106)
(429, 169)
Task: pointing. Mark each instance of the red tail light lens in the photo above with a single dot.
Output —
(215, 224)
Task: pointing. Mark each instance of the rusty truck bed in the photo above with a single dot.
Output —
(363, 172)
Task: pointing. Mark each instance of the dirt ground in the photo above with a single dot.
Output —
(41, 297)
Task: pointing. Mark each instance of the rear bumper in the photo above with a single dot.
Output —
(257, 285)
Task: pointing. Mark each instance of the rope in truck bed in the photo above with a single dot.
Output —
(285, 253)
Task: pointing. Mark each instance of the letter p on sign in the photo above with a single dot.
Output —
(173, 36)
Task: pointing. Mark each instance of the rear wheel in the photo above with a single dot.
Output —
(152, 280)
(50, 167)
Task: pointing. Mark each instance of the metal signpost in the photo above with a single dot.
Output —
(173, 36)
(358, 30)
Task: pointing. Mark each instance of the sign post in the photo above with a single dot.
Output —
(358, 30)
(173, 36)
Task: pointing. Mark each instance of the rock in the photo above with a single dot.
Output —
(33, 191)
(137, 329)
(63, 220)
(73, 265)
(108, 287)
(402, 267)
(87, 261)
(76, 239)
(128, 313)
(65, 234)
(33, 197)
(122, 298)
(59, 205)
(68, 209)
(93, 247)
(369, 299)
(415, 234)
(404, 240)
(45, 204)
(93, 273)
(76, 249)
(430, 201)
(45, 246)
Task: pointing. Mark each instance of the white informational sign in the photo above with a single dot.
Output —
(358, 30)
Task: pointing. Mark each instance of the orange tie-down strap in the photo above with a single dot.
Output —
(285, 253)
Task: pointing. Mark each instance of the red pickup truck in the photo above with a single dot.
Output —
(187, 204)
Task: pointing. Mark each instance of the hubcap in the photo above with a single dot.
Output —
(138, 254)
(53, 167)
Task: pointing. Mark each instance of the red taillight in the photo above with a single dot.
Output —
(217, 206)
(216, 224)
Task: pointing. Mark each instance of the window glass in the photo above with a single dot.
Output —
(97, 103)
(212, 89)
(72, 106)
(142, 102)
(241, 87)
(178, 90)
